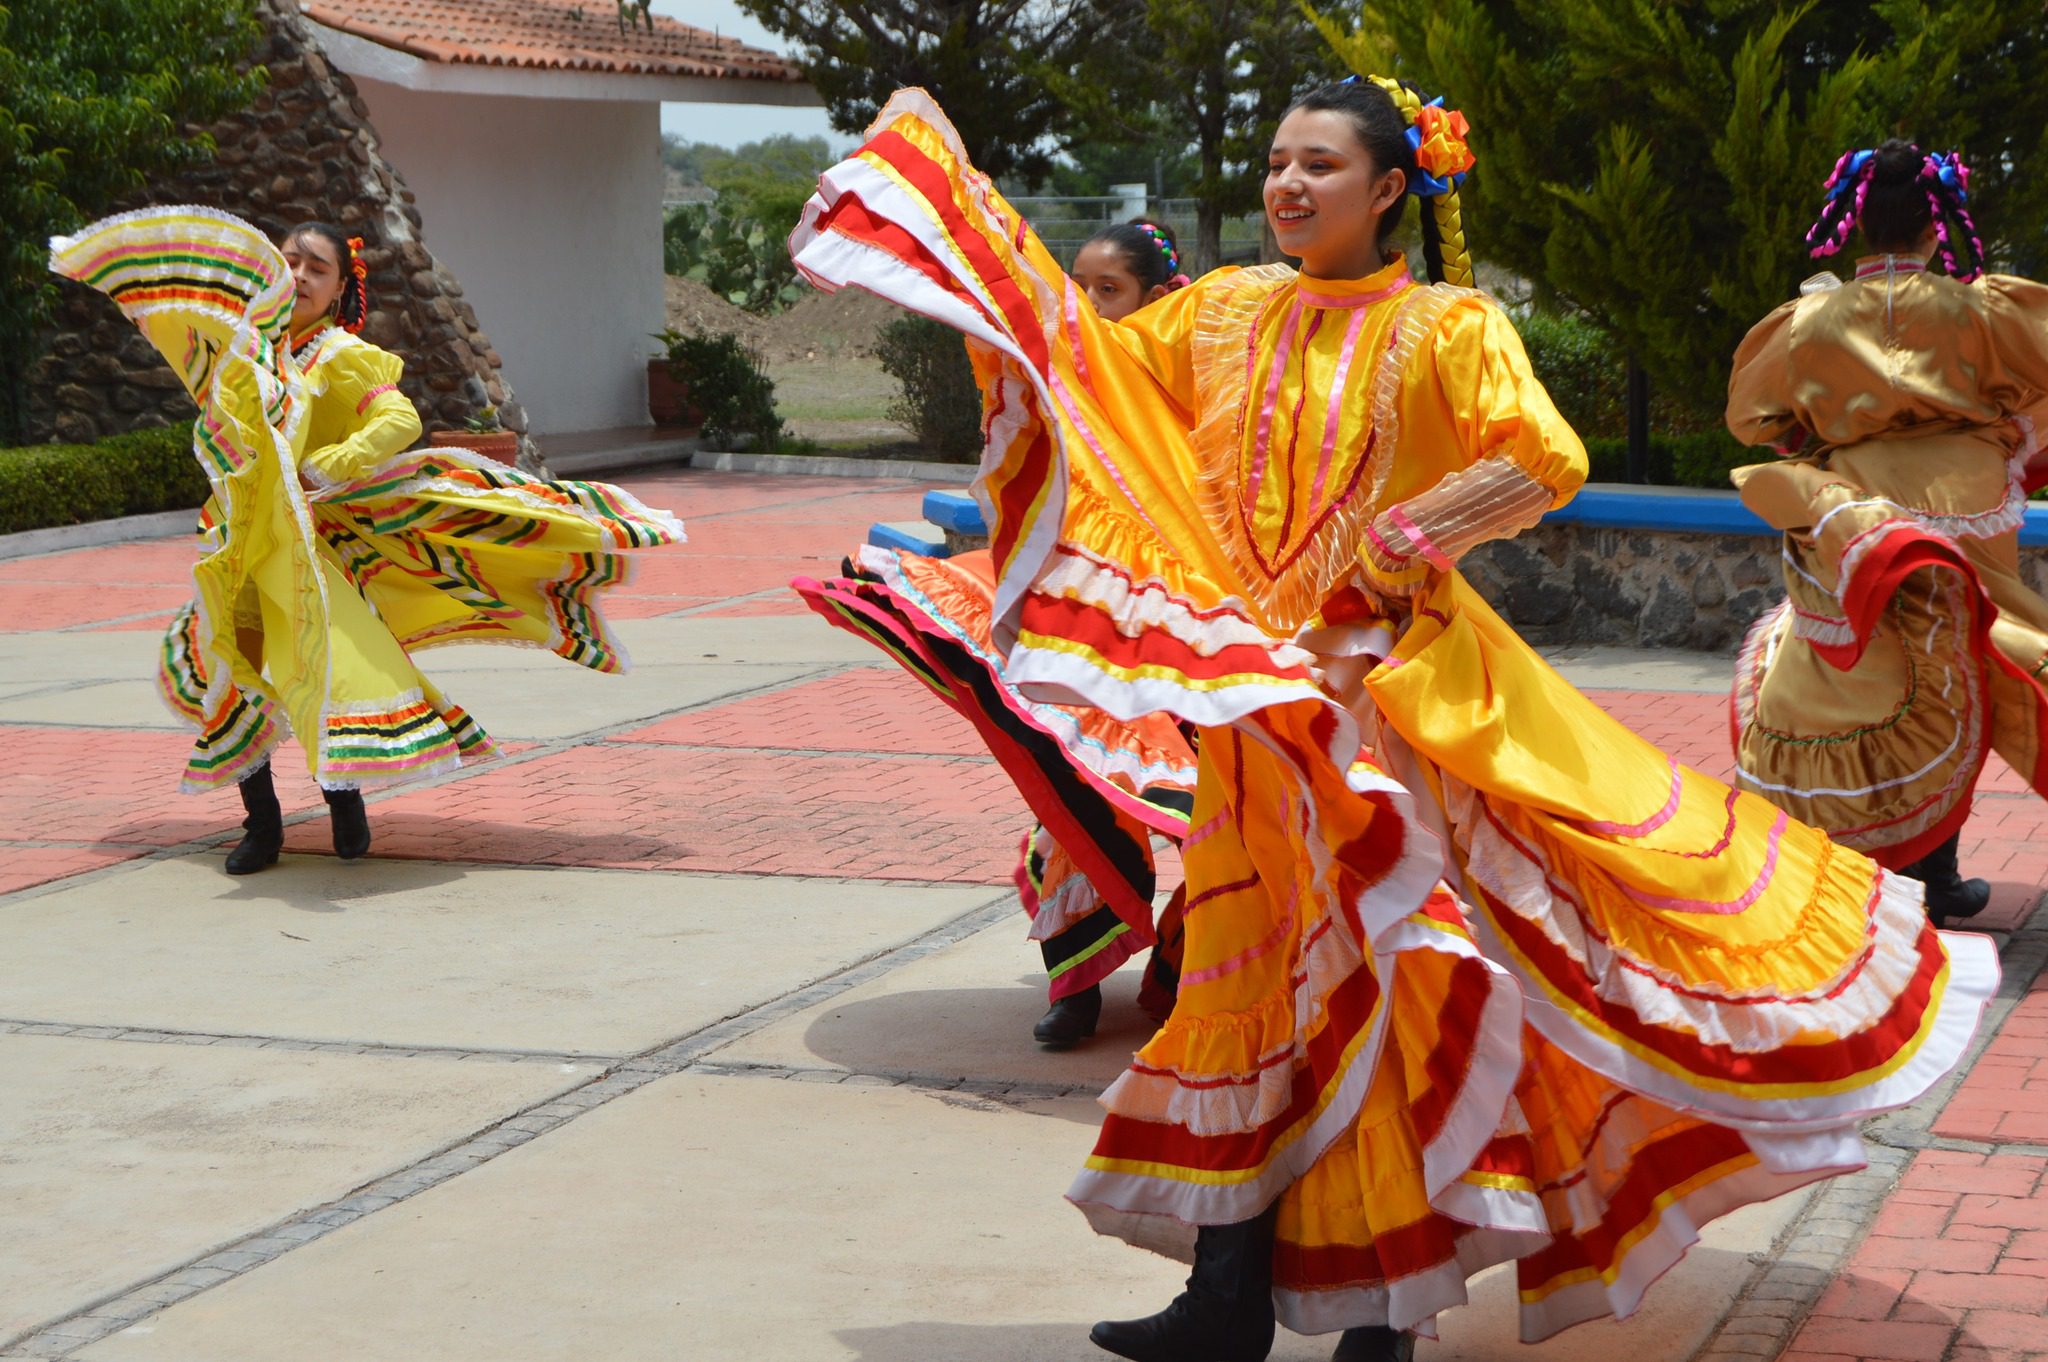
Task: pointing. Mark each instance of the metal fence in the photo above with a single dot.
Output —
(1065, 223)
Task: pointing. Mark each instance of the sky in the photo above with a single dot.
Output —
(728, 125)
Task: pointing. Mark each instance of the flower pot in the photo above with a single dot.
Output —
(668, 401)
(502, 445)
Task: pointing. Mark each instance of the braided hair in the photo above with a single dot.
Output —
(1148, 250)
(352, 305)
(1383, 114)
(1894, 192)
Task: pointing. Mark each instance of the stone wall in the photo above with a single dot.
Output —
(1566, 583)
(1635, 588)
(304, 151)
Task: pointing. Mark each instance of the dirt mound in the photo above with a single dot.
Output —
(695, 309)
(820, 326)
(829, 325)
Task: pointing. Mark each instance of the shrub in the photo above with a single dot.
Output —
(1587, 377)
(742, 258)
(1696, 459)
(1577, 363)
(939, 399)
(728, 384)
(132, 474)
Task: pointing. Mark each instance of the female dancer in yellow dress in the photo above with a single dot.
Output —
(331, 554)
(1100, 788)
(1907, 646)
(1471, 972)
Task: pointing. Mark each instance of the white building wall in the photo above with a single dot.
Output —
(549, 213)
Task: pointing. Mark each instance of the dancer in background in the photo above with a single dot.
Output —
(1101, 789)
(331, 554)
(1471, 973)
(1907, 647)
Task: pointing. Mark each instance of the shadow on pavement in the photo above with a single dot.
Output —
(943, 1342)
(978, 1034)
(322, 884)
(425, 835)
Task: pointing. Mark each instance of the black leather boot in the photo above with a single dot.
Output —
(263, 834)
(1949, 895)
(351, 822)
(1375, 1343)
(1071, 1020)
(1225, 1315)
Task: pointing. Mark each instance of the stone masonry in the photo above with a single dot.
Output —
(305, 150)
(1642, 588)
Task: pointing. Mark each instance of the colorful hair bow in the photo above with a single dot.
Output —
(1165, 245)
(1437, 136)
(362, 274)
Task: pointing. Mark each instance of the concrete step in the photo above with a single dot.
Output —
(909, 536)
(957, 512)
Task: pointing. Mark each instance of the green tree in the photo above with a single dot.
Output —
(736, 246)
(1656, 165)
(1165, 165)
(974, 56)
(97, 96)
(1216, 74)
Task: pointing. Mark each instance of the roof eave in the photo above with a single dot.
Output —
(367, 58)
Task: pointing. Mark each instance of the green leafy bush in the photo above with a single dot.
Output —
(1586, 375)
(1578, 365)
(132, 474)
(1697, 459)
(727, 383)
(939, 399)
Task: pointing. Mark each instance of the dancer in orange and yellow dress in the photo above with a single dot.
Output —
(1471, 973)
(1908, 647)
(1101, 788)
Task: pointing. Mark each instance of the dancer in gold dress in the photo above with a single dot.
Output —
(1907, 647)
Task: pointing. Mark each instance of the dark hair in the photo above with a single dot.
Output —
(1895, 213)
(352, 307)
(1382, 129)
(1148, 248)
(1893, 194)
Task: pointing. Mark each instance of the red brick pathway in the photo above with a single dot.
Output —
(870, 709)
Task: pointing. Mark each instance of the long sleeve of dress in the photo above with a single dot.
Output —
(1473, 400)
(1760, 385)
(2017, 315)
(364, 379)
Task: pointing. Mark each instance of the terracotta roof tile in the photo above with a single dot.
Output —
(561, 35)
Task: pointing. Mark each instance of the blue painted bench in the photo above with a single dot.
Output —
(1619, 506)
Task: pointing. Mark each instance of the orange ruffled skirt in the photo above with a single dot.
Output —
(1472, 974)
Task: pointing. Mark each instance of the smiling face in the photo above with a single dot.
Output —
(316, 277)
(1324, 195)
(1103, 272)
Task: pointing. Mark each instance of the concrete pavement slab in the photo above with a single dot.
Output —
(778, 1220)
(964, 1012)
(663, 642)
(42, 661)
(125, 1160)
(1595, 667)
(541, 703)
(414, 953)
(705, 1218)
(130, 703)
